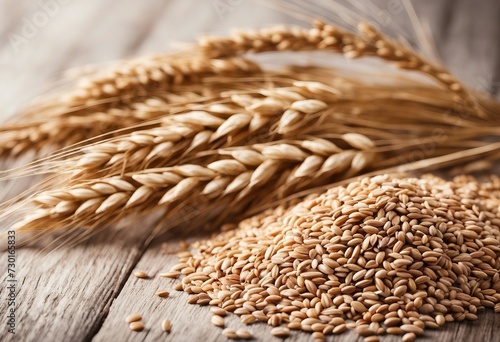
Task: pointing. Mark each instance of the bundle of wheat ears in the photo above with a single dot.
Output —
(209, 128)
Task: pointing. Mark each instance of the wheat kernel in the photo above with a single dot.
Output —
(218, 321)
(166, 325)
(243, 334)
(280, 332)
(162, 294)
(409, 337)
(136, 326)
(134, 317)
(141, 274)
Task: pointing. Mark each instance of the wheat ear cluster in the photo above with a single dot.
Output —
(209, 122)
(288, 110)
(119, 97)
(113, 89)
(219, 125)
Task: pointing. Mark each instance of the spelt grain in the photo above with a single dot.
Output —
(136, 326)
(218, 321)
(162, 294)
(166, 325)
(133, 318)
(141, 274)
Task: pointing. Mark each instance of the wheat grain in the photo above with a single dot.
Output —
(136, 326)
(133, 318)
(141, 274)
(372, 338)
(409, 337)
(218, 311)
(280, 332)
(380, 255)
(230, 333)
(162, 293)
(166, 325)
(248, 319)
(218, 321)
(244, 334)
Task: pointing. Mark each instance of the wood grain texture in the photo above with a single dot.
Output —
(192, 322)
(83, 293)
(64, 294)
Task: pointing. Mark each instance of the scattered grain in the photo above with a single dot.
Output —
(134, 317)
(218, 321)
(166, 325)
(244, 334)
(136, 326)
(162, 293)
(173, 274)
(230, 333)
(141, 274)
(280, 332)
(409, 337)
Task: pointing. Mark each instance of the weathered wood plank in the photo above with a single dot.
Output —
(72, 288)
(192, 322)
(63, 295)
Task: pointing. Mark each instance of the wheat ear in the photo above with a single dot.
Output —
(140, 77)
(184, 134)
(370, 42)
(237, 173)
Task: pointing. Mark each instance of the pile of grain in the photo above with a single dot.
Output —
(381, 255)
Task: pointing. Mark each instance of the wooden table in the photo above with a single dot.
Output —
(84, 292)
